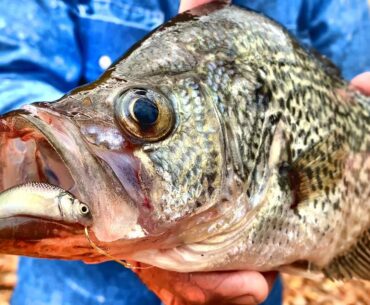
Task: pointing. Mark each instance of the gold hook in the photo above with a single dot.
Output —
(101, 251)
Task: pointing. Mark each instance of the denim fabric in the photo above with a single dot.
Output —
(50, 282)
(47, 47)
(340, 30)
(276, 295)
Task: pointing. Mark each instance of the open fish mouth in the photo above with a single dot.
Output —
(41, 145)
(27, 156)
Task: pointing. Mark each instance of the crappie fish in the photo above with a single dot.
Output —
(216, 143)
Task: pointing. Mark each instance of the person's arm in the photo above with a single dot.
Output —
(39, 58)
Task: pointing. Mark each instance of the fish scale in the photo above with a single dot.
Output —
(310, 105)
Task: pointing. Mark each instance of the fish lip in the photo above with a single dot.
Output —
(32, 223)
(25, 235)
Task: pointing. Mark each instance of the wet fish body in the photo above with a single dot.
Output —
(216, 143)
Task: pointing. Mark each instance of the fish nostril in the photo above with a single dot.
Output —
(105, 136)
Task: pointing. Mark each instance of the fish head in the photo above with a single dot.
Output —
(142, 147)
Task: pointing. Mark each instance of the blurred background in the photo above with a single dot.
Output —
(8, 267)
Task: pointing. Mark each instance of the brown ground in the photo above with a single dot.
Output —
(8, 265)
(298, 291)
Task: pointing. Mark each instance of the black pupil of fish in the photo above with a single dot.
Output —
(145, 112)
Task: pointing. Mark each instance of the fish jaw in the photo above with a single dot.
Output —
(41, 145)
(43, 238)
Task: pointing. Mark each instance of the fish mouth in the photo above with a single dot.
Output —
(41, 145)
(26, 155)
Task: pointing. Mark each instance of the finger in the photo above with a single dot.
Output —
(270, 277)
(236, 287)
(362, 83)
(233, 287)
(189, 4)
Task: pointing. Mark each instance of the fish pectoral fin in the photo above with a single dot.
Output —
(334, 176)
(354, 263)
(318, 171)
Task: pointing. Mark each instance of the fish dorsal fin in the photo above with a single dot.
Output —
(355, 263)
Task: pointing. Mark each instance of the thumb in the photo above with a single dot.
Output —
(362, 82)
(189, 4)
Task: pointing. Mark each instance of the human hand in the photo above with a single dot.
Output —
(362, 83)
(189, 4)
(221, 288)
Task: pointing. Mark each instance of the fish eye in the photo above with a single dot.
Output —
(144, 115)
(144, 112)
(84, 209)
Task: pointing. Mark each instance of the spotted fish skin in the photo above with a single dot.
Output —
(266, 165)
(291, 132)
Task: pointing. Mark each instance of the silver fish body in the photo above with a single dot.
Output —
(53, 202)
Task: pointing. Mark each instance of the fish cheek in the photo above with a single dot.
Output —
(186, 165)
(187, 178)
